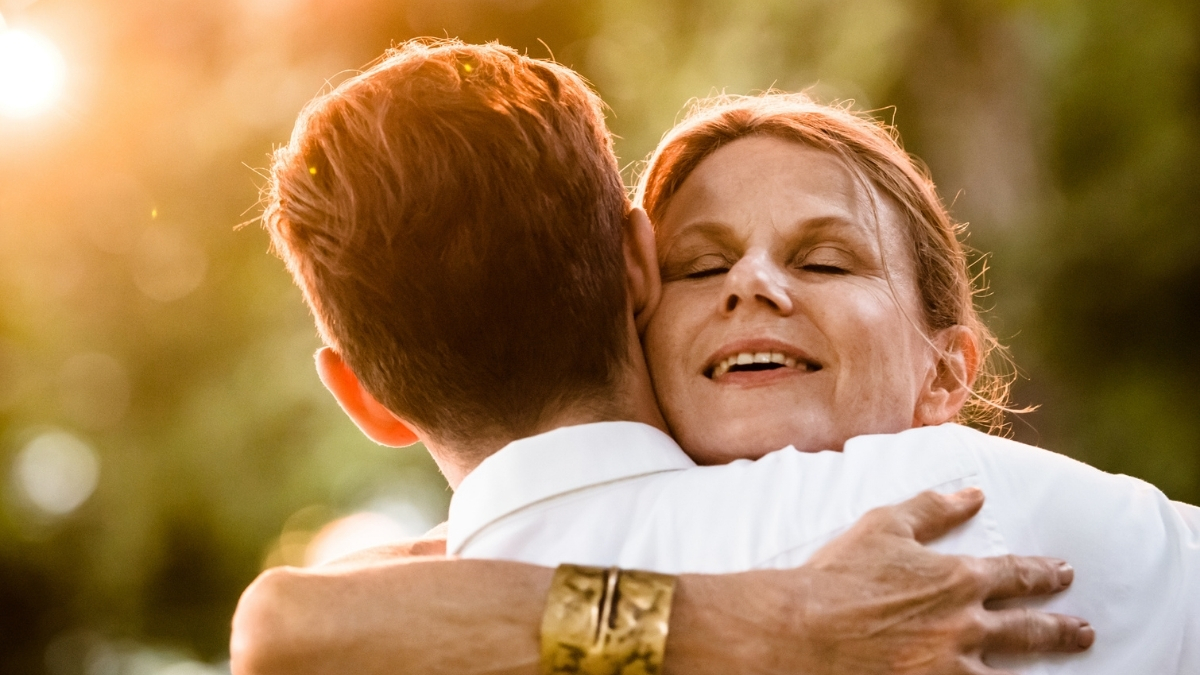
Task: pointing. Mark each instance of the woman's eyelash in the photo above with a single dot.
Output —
(708, 272)
(823, 269)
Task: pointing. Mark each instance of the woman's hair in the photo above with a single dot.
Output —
(873, 151)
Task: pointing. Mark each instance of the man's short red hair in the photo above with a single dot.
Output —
(454, 218)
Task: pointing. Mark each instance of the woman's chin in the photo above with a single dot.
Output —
(751, 439)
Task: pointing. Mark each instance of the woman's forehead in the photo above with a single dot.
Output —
(762, 180)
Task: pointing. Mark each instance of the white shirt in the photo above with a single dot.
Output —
(625, 494)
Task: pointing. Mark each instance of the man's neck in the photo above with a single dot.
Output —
(631, 399)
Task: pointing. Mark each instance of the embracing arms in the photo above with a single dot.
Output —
(872, 601)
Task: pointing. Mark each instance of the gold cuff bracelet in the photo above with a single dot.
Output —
(605, 622)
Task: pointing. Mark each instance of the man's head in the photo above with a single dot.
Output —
(454, 217)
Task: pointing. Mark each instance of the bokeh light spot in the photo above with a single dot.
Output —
(168, 265)
(32, 72)
(57, 472)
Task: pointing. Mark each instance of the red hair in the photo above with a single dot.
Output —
(454, 218)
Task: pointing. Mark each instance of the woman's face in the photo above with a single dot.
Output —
(777, 324)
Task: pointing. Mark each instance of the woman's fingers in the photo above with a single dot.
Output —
(1012, 576)
(930, 515)
(1027, 630)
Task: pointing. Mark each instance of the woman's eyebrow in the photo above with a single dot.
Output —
(847, 228)
(835, 229)
(835, 221)
(706, 230)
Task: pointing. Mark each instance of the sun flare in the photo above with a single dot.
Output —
(32, 72)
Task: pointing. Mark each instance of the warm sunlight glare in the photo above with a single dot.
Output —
(31, 73)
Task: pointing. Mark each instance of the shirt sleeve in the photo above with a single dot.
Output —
(1190, 515)
(1136, 555)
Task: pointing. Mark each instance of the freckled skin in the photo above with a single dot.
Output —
(772, 240)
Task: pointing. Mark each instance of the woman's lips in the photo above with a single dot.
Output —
(759, 360)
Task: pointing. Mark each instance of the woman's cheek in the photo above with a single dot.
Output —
(656, 343)
(671, 336)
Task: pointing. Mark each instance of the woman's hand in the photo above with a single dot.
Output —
(875, 600)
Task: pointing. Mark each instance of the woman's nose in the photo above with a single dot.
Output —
(757, 280)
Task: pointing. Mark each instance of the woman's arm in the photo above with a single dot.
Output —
(871, 600)
(412, 615)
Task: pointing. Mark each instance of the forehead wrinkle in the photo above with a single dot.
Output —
(737, 177)
(816, 226)
(734, 213)
(802, 185)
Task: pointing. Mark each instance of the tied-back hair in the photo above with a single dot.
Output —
(453, 216)
(873, 151)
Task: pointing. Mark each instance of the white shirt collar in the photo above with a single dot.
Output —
(566, 459)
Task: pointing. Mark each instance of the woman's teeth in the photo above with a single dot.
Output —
(755, 358)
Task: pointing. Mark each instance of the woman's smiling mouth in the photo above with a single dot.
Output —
(755, 360)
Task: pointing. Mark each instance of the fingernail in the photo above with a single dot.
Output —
(1066, 574)
(1086, 636)
(971, 493)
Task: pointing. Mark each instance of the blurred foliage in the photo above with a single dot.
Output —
(136, 318)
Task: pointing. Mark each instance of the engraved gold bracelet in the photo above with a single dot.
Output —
(605, 622)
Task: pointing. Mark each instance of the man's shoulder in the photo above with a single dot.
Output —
(884, 468)
(1032, 471)
(993, 456)
(776, 509)
(923, 457)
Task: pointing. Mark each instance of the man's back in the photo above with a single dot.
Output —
(624, 494)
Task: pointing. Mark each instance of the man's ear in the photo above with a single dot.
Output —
(641, 267)
(369, 415)
(948, 385)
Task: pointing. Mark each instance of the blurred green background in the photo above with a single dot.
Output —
(163, 435)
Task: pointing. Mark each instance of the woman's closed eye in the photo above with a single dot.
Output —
(824, 269)
(827, 260)
(706, 272)
(698, 268)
